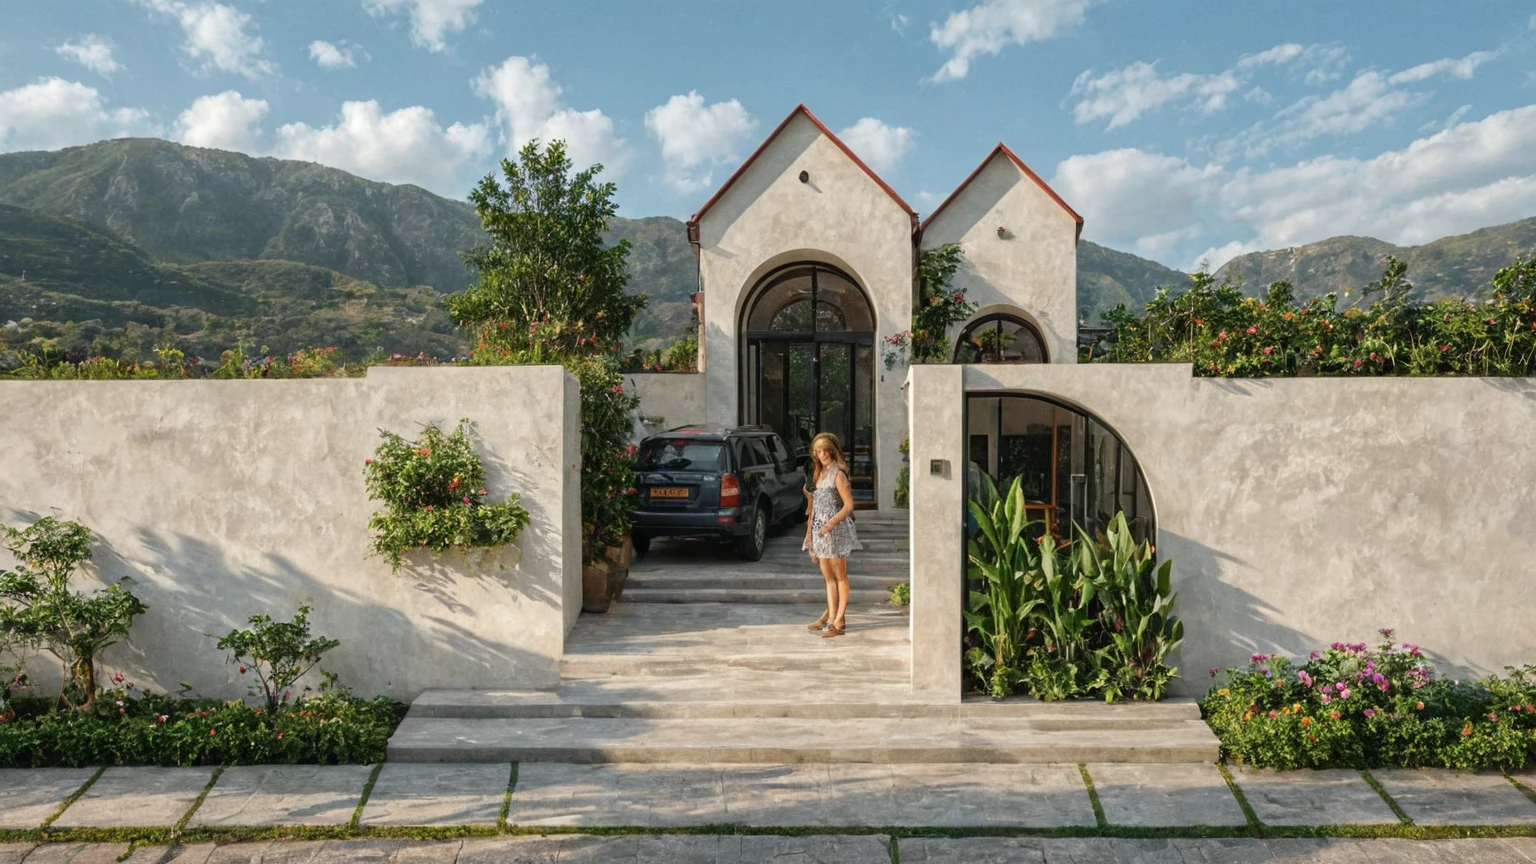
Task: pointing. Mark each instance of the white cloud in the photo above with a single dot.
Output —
(431, 20)
(992, 25)
(1466, 177)
(225, 121)
(1324, 63)
(218, 36)
(695, 137)
(899, 24)
(404, 146)
(1123, 95)
(1456, 67)
(331, 56)
(91, 51)
(1276, 56)
(879, 145)
(528, 107)
(53, 113)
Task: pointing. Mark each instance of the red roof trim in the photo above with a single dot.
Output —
(1003, 149)
(693, 221)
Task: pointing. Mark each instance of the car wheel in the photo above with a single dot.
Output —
(751, 546)
(641, 543)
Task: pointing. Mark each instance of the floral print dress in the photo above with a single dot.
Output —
(842, 539)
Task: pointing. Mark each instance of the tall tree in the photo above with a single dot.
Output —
(545, 280)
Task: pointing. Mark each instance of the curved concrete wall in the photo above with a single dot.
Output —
(1296, 511)
(222, 499)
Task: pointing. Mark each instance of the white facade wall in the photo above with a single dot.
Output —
(768, 218)
(676, 398)
(1296, 512)
(222, 499)
(1031, 269)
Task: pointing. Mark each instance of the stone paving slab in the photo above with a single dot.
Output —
(1165, 795)
(196, 853)
(136, 798)
(998, 850)
(678, 849)
(1331, 797)
(1431, 797)
(30, 795)
(803, 795)
(12, 853)
(77, 853)
(426, 794)
(259, 795)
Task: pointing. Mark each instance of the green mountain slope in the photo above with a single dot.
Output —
(1107, 277)
(1459, 266)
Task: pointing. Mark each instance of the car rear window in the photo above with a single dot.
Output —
(681, 454)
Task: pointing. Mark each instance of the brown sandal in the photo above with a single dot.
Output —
(819, 623)
(834, 630)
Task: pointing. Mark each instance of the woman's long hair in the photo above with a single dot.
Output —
(828, 440)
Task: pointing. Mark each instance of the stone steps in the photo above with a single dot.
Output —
(773, 580)
(734, 740)
(746, 594)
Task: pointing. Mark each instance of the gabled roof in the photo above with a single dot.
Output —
(693, 221)
(1003, 149)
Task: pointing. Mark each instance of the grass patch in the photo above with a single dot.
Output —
(362, 800)
(1391, 802)
(506, 800)
(1093, 797)
(75, 796)
(1242, 799)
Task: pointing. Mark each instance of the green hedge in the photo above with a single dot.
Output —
(154, 730)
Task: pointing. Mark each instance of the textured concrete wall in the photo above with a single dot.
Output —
(938, 546)
(1032, 268)
(221, 499)
(677, 398)
(1302, 511)
(841, 217)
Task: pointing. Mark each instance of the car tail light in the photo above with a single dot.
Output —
(730, 491)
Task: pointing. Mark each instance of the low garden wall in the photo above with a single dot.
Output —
(1296, 511)
(222, 499)
(677, 398)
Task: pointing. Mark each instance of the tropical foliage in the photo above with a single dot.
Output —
(1383, 332)
(1356, 706)
(679, 355)
(1091, 618)
(434, 496)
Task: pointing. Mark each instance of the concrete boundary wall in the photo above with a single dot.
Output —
(222, 499)
(1296, 511)
(676, 397)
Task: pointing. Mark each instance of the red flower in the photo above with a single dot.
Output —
(280, 735)
(212, 732)
(429, 506)
(242, 668)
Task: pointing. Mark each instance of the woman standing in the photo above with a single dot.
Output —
(829, 532)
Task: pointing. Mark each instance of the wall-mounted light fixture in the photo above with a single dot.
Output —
(1001, 231)
(805, 176)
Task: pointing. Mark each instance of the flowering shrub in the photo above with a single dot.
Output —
(125, 728)
(433, 491)
(1224, 334)
(1361, 707)
(304, 363)
(276, 653)
(680, 355)
(38, 608)
(938, 309)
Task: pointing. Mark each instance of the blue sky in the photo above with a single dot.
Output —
(1181, 130)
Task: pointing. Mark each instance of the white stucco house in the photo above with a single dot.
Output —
(806, 261)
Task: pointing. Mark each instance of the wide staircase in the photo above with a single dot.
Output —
(706, 659)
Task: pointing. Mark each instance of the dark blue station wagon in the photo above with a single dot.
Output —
(717, 482)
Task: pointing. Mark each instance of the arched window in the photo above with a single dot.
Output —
(1000, 338)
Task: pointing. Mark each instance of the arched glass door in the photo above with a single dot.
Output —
(809, 335)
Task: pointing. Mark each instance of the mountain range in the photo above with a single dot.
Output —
(123, 245)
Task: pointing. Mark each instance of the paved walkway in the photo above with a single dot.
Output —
(823, 797)
(831, 849)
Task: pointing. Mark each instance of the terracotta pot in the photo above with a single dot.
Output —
(594, 588)
(618, 569)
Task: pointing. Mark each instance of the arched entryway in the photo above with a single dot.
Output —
(1073, 468)
(808, 333)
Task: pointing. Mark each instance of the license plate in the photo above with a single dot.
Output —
(669, 492)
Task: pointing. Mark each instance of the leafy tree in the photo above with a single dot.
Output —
(38, 607)
(938, 309)
(548, 291)
(546, 281)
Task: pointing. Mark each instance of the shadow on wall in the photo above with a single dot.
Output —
(1225, 625)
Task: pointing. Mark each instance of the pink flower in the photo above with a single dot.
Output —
(162, 718)
(466, 499)
(1370, 712)
(429, 508)
(280, 735)
(1268, 349)
(1252, 330)
(1215, 670)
